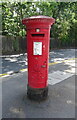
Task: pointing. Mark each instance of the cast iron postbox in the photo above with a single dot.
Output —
(38, 38)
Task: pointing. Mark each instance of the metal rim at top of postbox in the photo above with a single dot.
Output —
(38, 20)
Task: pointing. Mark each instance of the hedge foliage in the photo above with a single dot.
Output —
(64, 30)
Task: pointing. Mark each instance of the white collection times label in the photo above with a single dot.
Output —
(37, 48)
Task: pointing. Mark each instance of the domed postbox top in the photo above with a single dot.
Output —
(38, 20)
(39, 17)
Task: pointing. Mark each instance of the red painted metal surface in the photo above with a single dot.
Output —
(38, 64)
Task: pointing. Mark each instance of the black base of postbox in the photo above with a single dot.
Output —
(37, 94)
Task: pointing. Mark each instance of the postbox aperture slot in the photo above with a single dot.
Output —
(37, 35)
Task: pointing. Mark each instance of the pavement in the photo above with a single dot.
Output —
(61, 96)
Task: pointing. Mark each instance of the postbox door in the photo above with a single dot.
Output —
(38, 48)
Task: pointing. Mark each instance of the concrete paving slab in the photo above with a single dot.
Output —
(58, 76)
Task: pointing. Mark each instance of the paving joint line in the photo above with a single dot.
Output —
(23, 70)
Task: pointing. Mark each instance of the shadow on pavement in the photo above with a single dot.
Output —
(11, 64)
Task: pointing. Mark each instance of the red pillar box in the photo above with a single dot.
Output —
(38, 37)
